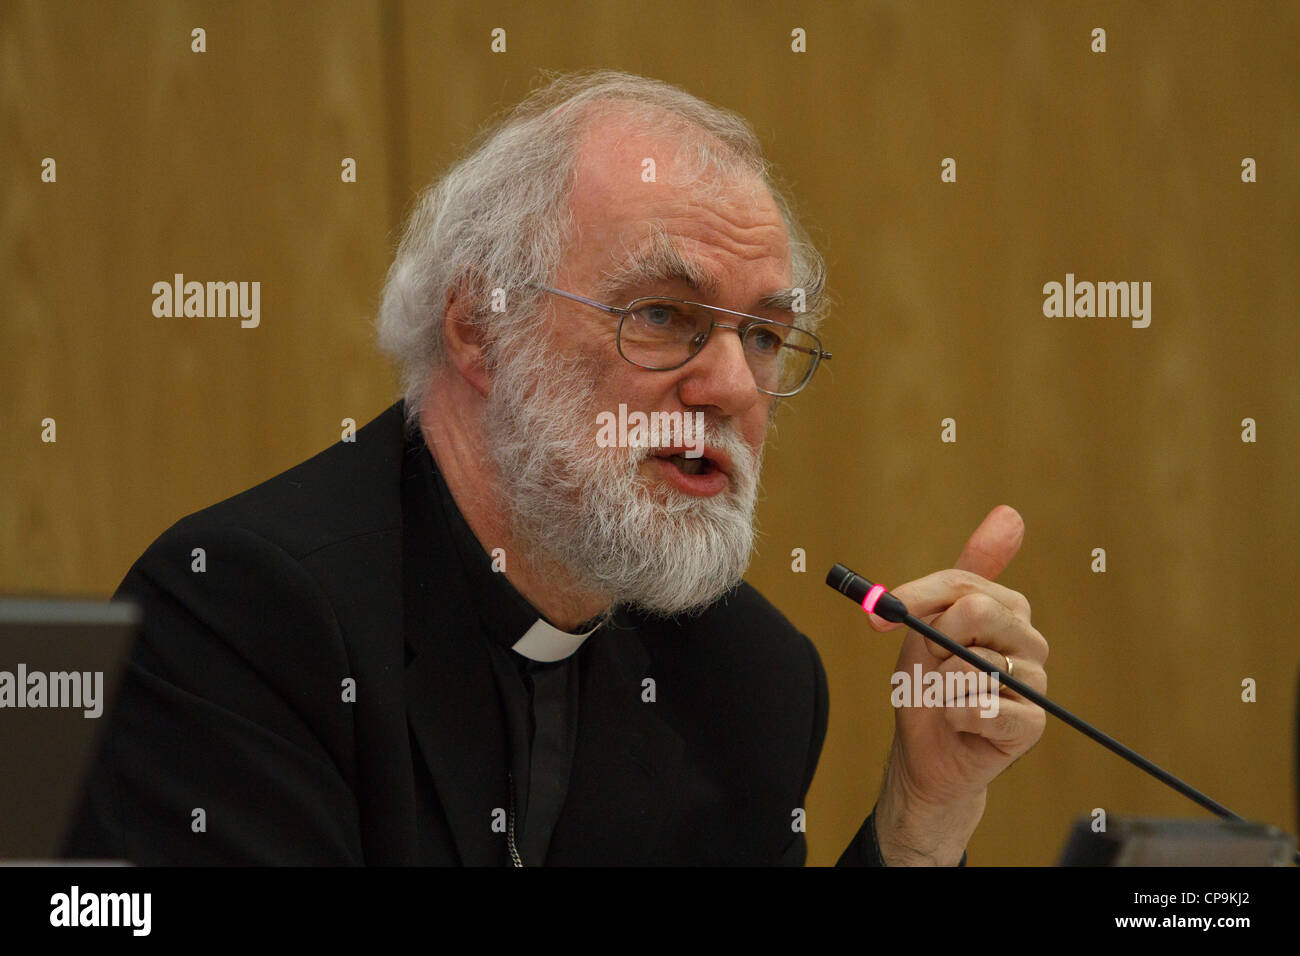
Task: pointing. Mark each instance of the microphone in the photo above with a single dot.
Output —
(876, 599)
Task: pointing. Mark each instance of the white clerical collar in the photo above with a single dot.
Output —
(545, 643)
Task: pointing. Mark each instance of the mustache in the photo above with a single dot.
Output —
(720, 433)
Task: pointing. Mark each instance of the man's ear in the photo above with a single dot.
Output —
(464, 340)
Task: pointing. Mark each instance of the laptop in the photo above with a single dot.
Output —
(1139, 841)
(61, 663)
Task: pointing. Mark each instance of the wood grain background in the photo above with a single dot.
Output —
(1116, 166)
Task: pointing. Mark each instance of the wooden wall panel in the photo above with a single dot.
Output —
(223, 165)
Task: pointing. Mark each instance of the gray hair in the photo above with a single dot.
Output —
(500, 216)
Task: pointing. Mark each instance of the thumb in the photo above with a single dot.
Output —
(994, 543)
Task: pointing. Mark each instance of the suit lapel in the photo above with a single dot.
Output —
(453, 704)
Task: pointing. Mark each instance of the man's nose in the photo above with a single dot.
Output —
(718, 375)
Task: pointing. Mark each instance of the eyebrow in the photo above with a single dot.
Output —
(661, 259)
(658, 260)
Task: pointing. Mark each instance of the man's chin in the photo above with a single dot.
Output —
(654, 606)
(665, 492)
(644, 543)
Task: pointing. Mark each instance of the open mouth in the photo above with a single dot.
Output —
(702, 475)
(692, 466)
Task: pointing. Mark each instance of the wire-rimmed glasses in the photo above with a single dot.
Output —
(661, 333)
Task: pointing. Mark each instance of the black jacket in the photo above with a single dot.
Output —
(232, 741)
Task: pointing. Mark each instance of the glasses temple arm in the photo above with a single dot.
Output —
(583, 299)
(807, 351)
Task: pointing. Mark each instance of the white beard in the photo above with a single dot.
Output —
(590, 511)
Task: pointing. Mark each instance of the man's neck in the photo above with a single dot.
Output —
(457, 447)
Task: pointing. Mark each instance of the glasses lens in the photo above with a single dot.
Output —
(666, 333)
(662, 333)
(780, 356)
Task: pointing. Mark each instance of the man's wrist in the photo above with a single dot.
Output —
(872, 844)
(909, 831)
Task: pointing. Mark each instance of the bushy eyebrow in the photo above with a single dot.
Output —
(661, 259)
(782, 300)
(658, 260)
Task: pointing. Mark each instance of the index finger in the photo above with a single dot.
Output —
(937, 592)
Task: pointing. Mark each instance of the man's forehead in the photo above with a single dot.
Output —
(618, 208)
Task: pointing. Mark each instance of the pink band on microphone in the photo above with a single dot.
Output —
(869, 602)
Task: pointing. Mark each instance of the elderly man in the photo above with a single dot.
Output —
(478, 635)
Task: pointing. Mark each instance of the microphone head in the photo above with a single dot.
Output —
(847, 583)
(837, 575)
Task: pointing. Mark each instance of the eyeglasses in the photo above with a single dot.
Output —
(661, 334)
